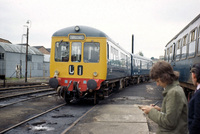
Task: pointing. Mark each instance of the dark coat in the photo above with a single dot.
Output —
(194, 113)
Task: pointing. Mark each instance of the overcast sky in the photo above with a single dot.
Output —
(153, 22)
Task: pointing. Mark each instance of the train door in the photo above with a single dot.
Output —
(173, 60)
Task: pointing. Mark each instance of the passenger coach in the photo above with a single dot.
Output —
(183, 51)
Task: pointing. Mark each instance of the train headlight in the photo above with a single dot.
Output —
(95, 74)
(56, 73)
(77, 28)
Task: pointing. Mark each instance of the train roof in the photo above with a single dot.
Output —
(88, 31)
(196, 18)
(141, 57)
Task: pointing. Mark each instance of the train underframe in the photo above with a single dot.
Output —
(188, 88)
(106, 88)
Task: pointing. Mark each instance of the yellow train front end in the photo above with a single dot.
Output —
(78, 63)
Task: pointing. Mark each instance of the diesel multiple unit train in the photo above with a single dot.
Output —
(86, 64)
(183, 51)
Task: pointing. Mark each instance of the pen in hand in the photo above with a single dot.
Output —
(155, 103)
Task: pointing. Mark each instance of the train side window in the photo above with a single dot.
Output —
(199, 42)
(123, 59)
(192, 43)
(184, 47)
(76, 52)
(178, 50)
(114, 56)
(170, 54)
(62, 51)
(91, 52)
(165, 55)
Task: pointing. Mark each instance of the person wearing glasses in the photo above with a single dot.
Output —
(172, 117)
(194, 103)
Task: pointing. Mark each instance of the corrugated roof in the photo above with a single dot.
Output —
(19, 48)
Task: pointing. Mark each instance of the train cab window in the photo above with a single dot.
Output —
(76, 52)
(178, 50)
(91, 52)
(62, 51)
(192, 43)
(199, 42)
(184, 47)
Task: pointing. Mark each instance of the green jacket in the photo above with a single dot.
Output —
(172, 119)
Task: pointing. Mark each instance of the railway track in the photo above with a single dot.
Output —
(19, 84)
(13, 95)
(27, 109)
(36, 114)
(29, 119)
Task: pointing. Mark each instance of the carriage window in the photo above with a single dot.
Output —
(184, 47)
(144, 65)
(123, 59)
(168, 55)
(171, 54)
(115, 53)
(192, 43)
(62, 51)
(178, 50)
(137, 64)
(91, 52)
(76, 52)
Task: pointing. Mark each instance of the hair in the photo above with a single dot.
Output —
(164, 71)
(196, 70)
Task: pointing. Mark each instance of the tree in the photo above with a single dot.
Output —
(140, 53)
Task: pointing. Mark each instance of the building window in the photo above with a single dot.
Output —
(1, 56)
(29, 58)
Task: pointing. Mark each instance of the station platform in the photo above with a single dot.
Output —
(112, 119)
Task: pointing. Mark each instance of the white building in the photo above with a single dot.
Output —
(13, 56)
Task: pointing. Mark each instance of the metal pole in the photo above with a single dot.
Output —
(26, 53)
(132, 43)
